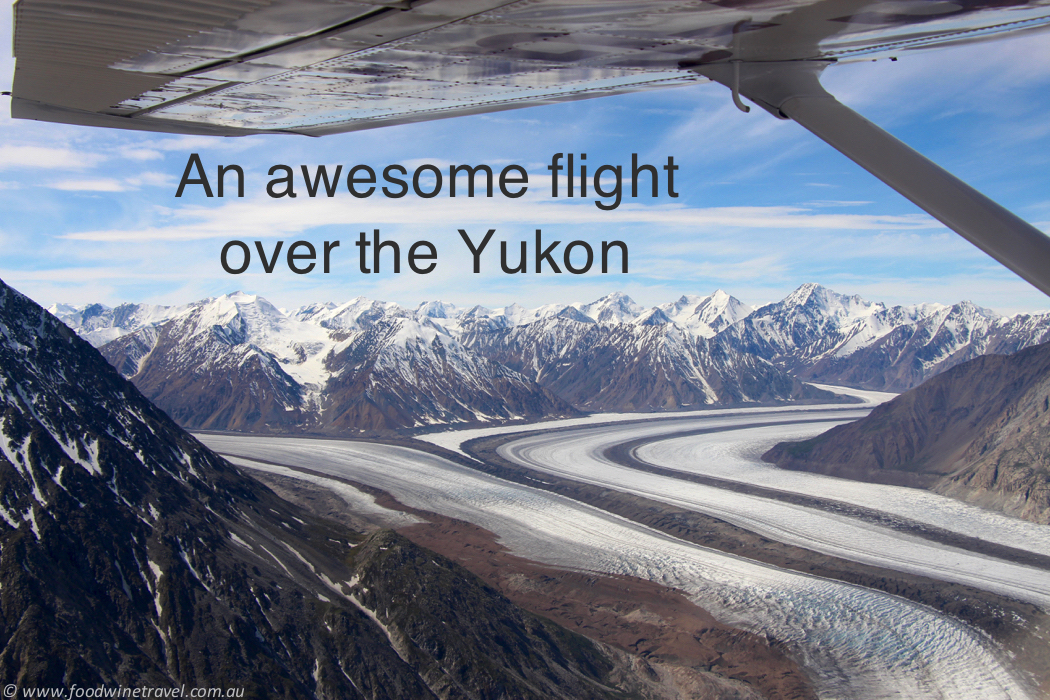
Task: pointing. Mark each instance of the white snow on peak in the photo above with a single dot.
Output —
(310, 311)
(436, 309)
(653, 317)
(238, 315)
(410, 332)
(612, 308)
(248, 319)
(356, 314)
(706, 316)
(819, 321)
(509, 316)
(99, 324)
(64, 311)
(831, 303)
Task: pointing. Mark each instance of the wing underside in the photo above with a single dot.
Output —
(316, 67)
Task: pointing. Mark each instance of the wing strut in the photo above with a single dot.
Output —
(792, 90)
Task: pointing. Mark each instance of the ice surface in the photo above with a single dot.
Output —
(359, 501)
(453, 439)
(858, 642)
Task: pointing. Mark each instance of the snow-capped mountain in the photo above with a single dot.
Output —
(810, 323)
(706, 316)
(223, 364)
(612, 309)
(238, 363)
(401, 372)
(354, 315)
(702, 315)
(653, 317)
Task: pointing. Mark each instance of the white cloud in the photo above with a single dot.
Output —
(93, 185)
(836, 203)
(151, 179)
(46, 157)
(266, 218)
(108, 184)
(188, 144)
(975, 69)
(133, 153)
(773, 267)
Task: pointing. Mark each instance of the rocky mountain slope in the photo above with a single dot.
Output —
(635, 367)
(207, 368)
(131, 555)
(400, 372)
(980, 431)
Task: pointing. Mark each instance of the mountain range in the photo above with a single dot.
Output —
(237, 362)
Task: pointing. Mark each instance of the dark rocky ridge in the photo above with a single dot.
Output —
(980, 432)
(629, 367)
(368, 390)
(132, 555)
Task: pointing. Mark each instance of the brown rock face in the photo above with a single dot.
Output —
(215, 380)
(980, 432)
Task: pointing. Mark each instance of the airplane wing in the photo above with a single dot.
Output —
(317, 67)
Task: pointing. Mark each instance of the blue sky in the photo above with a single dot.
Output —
(91, 214)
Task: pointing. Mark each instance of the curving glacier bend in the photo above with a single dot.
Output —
(731, 452)
(858, 642)
(579, 455)
(733, 455)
